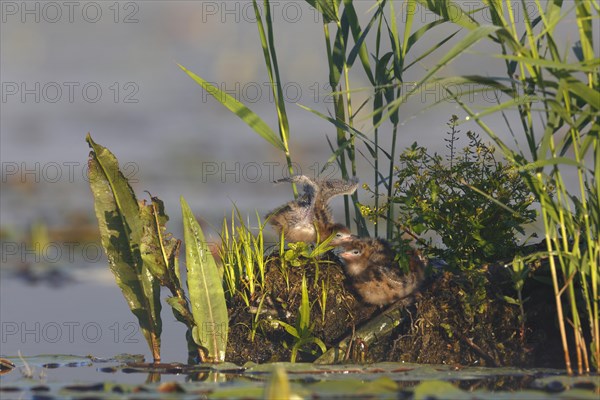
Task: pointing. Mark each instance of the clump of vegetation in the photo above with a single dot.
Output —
(288, 303)
(473, 203)
(279, 297)
(143, 256)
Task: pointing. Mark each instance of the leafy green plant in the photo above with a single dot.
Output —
(555, 95)
(472, 202)
(143, 256)
(302, 330)
(118, 213)
(300, 253)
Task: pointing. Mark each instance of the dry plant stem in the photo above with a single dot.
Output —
(488, 358)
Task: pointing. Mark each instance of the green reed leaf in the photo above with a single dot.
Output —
(205, 286)
(244, 113)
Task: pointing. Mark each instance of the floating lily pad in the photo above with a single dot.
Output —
(54, 377)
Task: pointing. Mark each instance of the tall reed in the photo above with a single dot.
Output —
(553, 91)
(556, 96)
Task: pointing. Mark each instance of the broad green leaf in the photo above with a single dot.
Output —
(160, 253)
(239, 109)
(289, 329)
(181, 310)
(510, 300)
(206, 293)
(411, 7)
(395, 42)
(151, 287)
(304, 312)
(120, 226)
(270, 56)
(338, 56)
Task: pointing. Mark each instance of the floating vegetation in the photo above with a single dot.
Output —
(117, 378)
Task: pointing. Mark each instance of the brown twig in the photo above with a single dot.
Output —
(488, 358)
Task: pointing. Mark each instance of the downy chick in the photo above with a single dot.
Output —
(374, 273)
(298, 218)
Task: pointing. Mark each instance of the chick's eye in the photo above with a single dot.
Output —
(356, 252)
(338, 235)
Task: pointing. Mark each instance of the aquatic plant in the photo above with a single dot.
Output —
(555, 96)
(143, 256)
(242, 254)
(245, 260)
(302, 330)
(475, 204)
(551, 91)
(118, 213)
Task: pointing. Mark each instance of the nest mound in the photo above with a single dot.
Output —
(255, 334)
(455, 319)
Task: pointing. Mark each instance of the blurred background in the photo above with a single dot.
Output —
(110, 68)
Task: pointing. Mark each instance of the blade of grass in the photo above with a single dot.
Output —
(244, 113)
(270, 56)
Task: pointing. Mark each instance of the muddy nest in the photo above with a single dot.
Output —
(455, 319)
(255, 333)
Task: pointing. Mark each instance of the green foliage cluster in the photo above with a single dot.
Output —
(475, 204)
(143, 256)
(244, 261)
